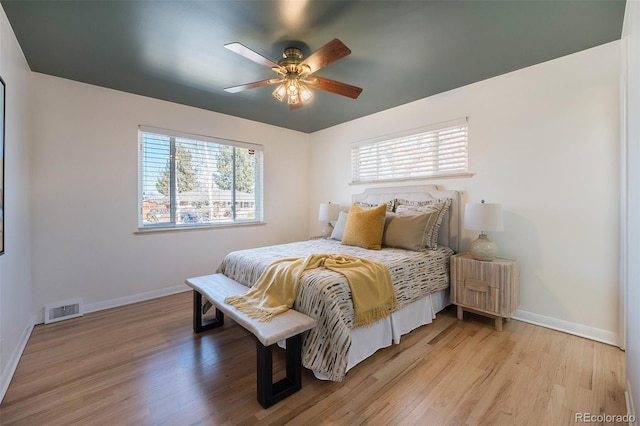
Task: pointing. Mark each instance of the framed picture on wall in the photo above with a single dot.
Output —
(2, 108)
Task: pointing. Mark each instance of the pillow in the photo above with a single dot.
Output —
(364, 227)
(409, 231)
(338, 230)
(402, 202)
(390, 205)
(414, 207)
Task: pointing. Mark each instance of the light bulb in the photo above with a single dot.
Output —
(305, 93)
(292, 88)
(280, 92)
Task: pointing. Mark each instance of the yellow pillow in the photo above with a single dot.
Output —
(364, 227)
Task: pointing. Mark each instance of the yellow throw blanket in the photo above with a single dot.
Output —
(276, 289)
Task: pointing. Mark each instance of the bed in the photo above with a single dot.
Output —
(420, 280)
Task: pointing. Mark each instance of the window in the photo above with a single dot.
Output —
(189, 180)
(439, 150)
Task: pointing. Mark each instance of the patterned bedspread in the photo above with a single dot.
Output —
(325, 295)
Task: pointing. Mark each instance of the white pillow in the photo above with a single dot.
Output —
(338, 229)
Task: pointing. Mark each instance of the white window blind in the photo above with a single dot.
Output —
(190, 180)
(437, 150)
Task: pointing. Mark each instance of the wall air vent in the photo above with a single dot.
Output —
(59, 311)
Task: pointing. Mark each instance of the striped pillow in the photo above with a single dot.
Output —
(441, 205)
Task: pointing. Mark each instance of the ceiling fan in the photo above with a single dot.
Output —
(295, 74)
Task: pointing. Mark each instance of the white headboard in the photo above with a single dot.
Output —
(450, 229)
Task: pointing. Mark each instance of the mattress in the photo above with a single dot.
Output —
(325, 295)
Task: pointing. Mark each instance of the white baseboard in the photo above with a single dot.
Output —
(628, 396)
(597, 334)
(14, 359)
(135, 298)
(127, 300)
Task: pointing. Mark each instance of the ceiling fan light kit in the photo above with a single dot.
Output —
(295, 73)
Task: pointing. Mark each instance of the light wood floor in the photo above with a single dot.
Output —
(141, 364)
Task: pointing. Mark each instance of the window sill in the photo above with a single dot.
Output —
(159, 230)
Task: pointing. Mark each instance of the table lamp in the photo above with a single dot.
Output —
(483, 217)
(328, 212)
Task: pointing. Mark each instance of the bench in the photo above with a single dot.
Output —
(286, 326)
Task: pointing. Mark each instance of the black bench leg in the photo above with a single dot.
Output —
(198, 325)
(268, 392)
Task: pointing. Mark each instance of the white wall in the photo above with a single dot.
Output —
(631, 181)
(15, 265)
(84, 198)
(543, 142)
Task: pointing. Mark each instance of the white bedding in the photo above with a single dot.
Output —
(365, 341)
(334, 345)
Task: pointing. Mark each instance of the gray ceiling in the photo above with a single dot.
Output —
(401, 50)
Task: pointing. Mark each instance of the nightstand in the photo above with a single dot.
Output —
(487, 288)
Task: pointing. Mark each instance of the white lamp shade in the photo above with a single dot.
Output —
(328, 212)
(483, 217)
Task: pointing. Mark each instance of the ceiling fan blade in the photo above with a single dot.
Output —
(243, 50)
(243, 87)
(334, 87)
(326, 55)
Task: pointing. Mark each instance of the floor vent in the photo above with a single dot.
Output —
(59, 311)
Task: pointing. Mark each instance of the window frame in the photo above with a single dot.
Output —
(400, 138)
(173, 224)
